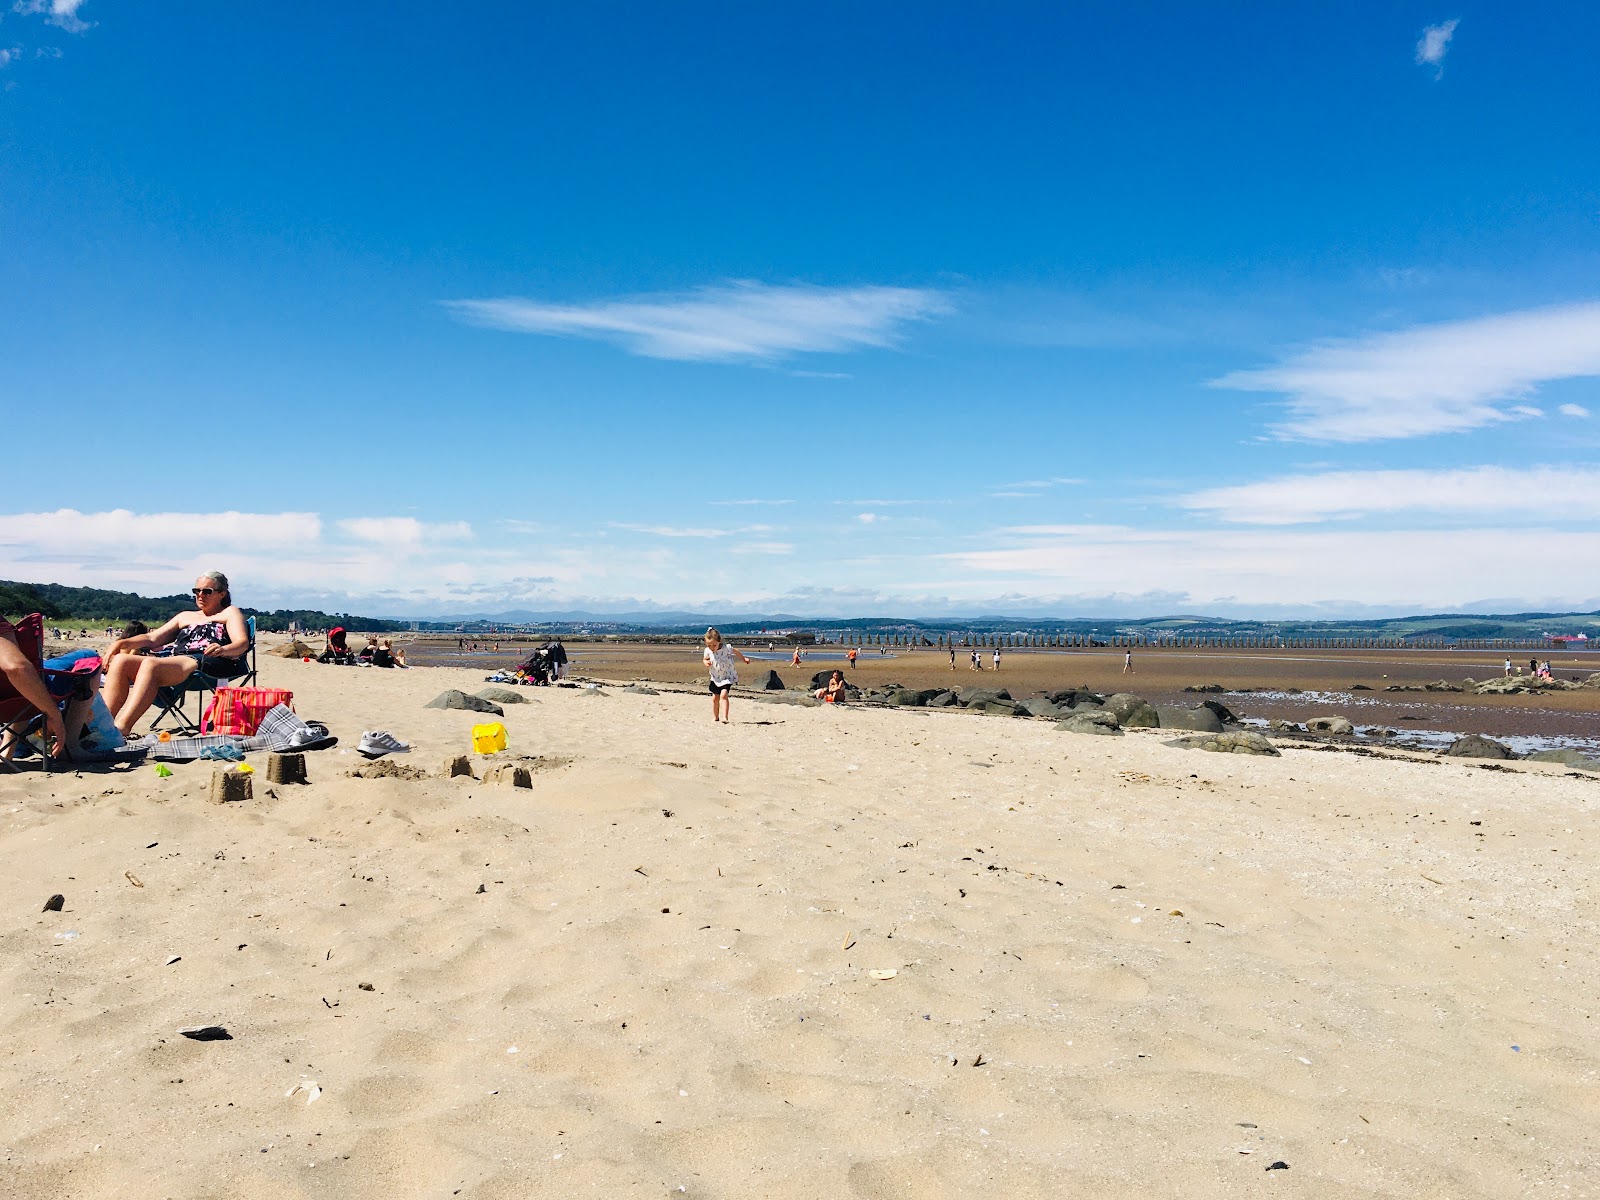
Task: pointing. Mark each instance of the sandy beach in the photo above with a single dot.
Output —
(821, 952)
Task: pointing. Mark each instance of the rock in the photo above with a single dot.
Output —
(1078, 698)
(639, 689)
(207, 1033)
(1441, 685)
(1041, 706)
(1383, 731)
(54, 903)
(1359, 687)
(460, 700)
(1132, 712)
(819, 680)
(1240, 741)
(1224, 714)
(1566, 757)
(500, 695)
(1000, 708)
(1330, 726)
(944, 700)
(1176, 716)
(1280, 726)
(1097, 723)
(905, 698)
(772, 683)
(1206, 687)
(459, 764)
(799, 699)
(1475, 745)
(979, 696)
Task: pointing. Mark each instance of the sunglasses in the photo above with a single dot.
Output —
(205, 591)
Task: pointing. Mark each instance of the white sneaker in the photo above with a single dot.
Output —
(375, 743)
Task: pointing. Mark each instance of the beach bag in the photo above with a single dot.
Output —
(488, 738)
(239, 710)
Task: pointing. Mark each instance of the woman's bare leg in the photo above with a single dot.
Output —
(152, 673)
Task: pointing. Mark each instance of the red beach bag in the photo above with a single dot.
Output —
(239, 710)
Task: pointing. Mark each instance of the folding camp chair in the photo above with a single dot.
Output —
(18, 715)
(174, 702)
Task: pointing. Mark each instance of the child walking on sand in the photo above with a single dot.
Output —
(719, 661)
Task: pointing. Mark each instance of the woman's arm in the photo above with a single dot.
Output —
(238, 633)
(144, 641)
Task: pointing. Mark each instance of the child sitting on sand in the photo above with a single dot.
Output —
(719, 660)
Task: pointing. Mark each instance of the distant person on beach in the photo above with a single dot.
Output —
(834, 691)
(1127, 663)
(952, 656)
(795, 661)
(1508, 666)
(997, 658)
(718, 659)
(852, 657)
(977, 663)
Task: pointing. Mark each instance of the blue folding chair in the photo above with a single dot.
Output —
(174, 702)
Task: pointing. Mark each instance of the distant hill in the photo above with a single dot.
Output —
(58, 602)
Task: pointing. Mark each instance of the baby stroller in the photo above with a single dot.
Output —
(537, 669)
(337, 652)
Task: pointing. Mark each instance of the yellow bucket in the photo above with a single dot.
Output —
(486, 739)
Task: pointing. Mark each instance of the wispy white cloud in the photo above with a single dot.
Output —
(1434, 44)
(9, 56)
(404, 531)
(1443, 378)
(1265, 570)
(762, 548)
(682, 531)
(121, 529)
(744, 503)
(61, 13)
(1030, 489)
(733, 322)
(1547, 494)
(867, 518)
(1573, 410)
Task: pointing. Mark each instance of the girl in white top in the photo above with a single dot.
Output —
(718, 659)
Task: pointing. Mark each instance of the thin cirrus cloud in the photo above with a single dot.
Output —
(688, 531)
(1434, 44)
(733, 322)
(404, 531)
(1546, 494)
(1443, 378)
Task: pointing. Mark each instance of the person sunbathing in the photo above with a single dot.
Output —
(210, 640)
(834, 691)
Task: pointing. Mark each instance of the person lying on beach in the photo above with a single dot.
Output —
(835, 689)
(211, 639)
(718, 659)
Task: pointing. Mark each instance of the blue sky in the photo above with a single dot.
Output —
(824, 309)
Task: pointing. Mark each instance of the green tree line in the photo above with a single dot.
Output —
(58, 602)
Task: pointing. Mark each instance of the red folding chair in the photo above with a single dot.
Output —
(17, 713)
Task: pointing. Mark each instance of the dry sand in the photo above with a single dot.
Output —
(1122, 969)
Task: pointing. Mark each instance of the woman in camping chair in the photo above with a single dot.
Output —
(211, 639)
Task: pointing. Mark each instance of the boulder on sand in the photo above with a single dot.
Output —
(1567, 757)
(773, 684)
(497, 695)
(1040, 706)
(1177, 716)
(944, 700)
(1475, 745)
(1205, 687)
(1132, 712)
(458, 699)
(1331, 726)
(1096, 722)
(1238, 742)
(978, 697)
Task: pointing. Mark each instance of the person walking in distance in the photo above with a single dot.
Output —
(1127, 663)
(997, 658)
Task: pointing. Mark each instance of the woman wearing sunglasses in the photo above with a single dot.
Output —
(211, 639)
